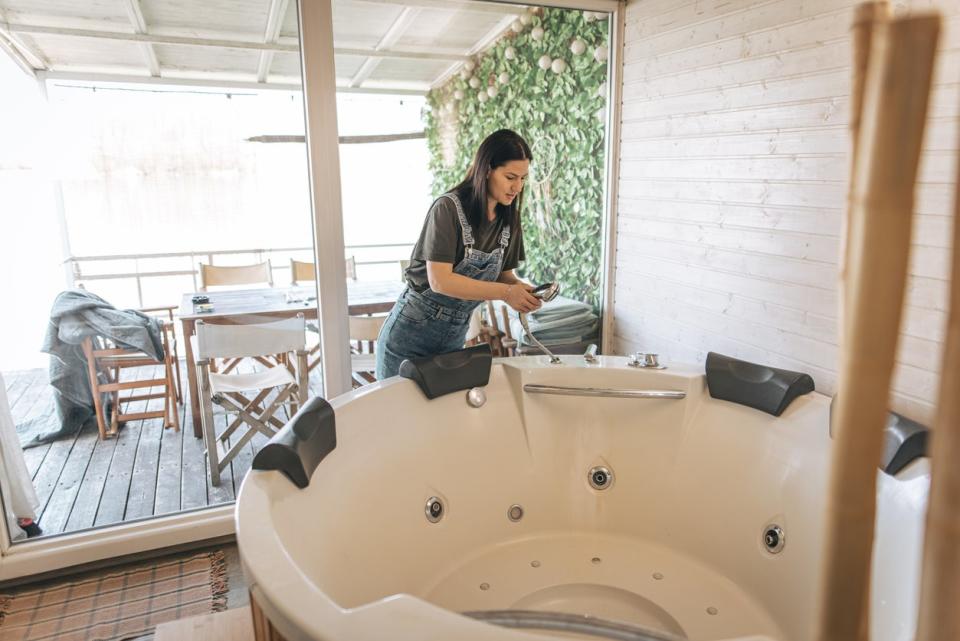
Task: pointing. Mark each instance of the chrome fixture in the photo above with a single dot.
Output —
(646, 361)
(572, 624)
(600, 477)
(774, 538)
(559, 390)
(434, 509)
(546, 292)
(590, 355)
(554, 360)
(476, 397)
(515, 513)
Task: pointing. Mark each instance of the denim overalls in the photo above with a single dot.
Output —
(427, 323)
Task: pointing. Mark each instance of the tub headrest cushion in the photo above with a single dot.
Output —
(451, 372)
(297, 449)
(761, 387)
(904, 441)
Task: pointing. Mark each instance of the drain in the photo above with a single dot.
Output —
(434, 509)
(600, 477)
(484, 586)
(712, 611)
(515, 513)
(774, 538)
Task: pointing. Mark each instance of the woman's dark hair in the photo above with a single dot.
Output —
(496, 150)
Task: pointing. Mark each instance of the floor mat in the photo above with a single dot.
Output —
(116, 604)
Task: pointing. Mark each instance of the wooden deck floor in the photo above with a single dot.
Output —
(85, 482)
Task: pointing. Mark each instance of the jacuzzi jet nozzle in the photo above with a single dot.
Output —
(600, 477)
(515, 513)
(774, 538)
(434, 509)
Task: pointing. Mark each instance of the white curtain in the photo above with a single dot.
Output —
(19, 498)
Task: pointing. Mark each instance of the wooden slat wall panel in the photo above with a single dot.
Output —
(733, 176)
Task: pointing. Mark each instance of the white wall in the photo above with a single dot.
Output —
(732, 182)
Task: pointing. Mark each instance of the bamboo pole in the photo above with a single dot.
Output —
(939, 616)
(894, 114)
(865, 18)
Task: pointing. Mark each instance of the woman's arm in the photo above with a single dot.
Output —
(510, 278)
(516, 294)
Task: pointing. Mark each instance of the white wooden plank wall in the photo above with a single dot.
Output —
(733, 178)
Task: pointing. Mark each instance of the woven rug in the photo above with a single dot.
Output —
(116, 604)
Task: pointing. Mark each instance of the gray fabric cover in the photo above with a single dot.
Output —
(77, 313)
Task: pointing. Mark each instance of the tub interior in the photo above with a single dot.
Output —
(675, 543)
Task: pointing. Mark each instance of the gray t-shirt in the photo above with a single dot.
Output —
(441, 240)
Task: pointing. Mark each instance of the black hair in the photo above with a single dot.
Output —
(496, 150)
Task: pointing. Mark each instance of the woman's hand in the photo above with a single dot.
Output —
(518, 297)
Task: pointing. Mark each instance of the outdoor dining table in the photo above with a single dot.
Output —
(246, 306)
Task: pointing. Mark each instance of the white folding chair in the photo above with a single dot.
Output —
(281, 337)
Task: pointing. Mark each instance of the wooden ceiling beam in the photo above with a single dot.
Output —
(481, 45)
(395, 32)
(271, 34)
(188, 41)
(451, 5)
(135, 15)
(76, 77)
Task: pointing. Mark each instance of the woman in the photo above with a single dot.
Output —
(469, 246)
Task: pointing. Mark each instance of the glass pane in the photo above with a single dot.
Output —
(135, 174)
(542, 72)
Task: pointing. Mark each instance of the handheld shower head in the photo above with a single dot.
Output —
(546, 292)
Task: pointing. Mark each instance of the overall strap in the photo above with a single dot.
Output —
(464, 225)
(505, 236)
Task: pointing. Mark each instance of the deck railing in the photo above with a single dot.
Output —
(184, 265)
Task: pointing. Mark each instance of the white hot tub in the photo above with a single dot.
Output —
(674, 542)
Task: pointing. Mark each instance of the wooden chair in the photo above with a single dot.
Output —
(364, 329)
(109, 361)
(305, 272)
(168, 310)
(301, 271)
(491, 332)
(507, 341)
(246, 395)
(233, 275)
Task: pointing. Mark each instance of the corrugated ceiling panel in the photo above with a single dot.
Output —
(88, 11)
(408, 70)
(240, 61)
(456, 29)
(362, 24)
(240, 16)
(110, 55)
(286, 65)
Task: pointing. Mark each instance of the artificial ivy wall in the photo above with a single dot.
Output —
(545, 79)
